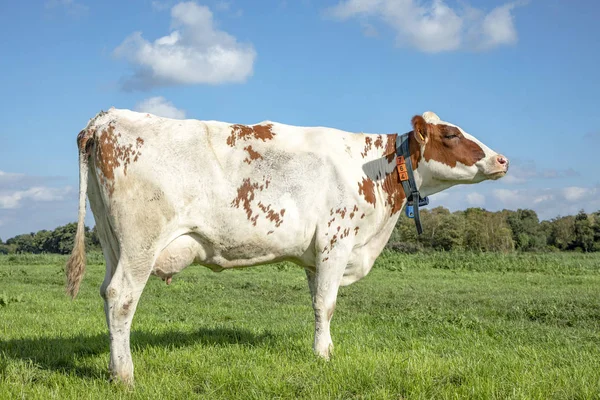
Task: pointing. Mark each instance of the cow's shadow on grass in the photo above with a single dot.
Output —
(65, 354)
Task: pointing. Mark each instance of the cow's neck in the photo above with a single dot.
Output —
(382, 170)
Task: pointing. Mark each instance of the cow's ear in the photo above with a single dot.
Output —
(421, 129)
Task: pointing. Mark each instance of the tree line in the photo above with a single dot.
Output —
(473, 229)
(58, 241)
(477, 229)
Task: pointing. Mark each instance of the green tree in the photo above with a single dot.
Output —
(486, 231)
(62, 239)
(596, 228)
(23, 243)
(444, 229)
(92, 241)
(474, 229)
(562, 232)
(526, 232)
(584, 234)
(404, 236)
(40, 241)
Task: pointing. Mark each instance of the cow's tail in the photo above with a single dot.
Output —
(75, 267)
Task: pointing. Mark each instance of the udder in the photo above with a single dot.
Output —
(179, 254)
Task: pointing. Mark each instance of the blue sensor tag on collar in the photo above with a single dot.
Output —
(410, 211)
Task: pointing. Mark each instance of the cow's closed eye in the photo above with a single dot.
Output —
(451, 136)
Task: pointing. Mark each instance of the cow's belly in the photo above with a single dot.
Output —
(195, 248)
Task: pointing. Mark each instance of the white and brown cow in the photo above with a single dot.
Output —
(166, 193)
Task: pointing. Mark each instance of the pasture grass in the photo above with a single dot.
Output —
(424, 326)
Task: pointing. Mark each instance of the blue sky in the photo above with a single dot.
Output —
(520, 76)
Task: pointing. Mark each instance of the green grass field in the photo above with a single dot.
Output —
(418, 326)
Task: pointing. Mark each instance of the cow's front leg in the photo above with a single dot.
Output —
(324, 284)
(121, 298)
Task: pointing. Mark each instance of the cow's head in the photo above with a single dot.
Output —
(449, 156)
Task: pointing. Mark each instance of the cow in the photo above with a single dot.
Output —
(167, 193)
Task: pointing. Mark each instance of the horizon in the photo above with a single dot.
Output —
(519, 76)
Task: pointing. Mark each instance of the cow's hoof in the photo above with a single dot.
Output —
(324, 352)
(126, 381)
(121, 377)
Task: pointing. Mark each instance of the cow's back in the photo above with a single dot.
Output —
(244, 191)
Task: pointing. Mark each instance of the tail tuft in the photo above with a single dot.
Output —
(75, 267)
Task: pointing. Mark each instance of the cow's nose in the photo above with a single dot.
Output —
(502, 161)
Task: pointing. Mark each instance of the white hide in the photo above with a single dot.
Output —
(176, 204)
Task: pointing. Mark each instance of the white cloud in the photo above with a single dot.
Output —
(13, 199)
(549, 202)
(5, 176)
(542, 198)
(522, 171)
(497, 28)
(434, 26)
(160, 106)
(475, 199)
(575, 193)
(195, 52)
(505, 195)
(546, 202)
(30, 203)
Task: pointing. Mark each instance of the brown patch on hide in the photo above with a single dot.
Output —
(252, 155)
(356, 230)
(271, 215)
(245, 132)
(341, 212)
(274, 216)
(379, 142)
(332, 242)
(368, 146)
(390, 147)
(110, 155)
(394, 191)
(330, 222)
(362, 216)
(246, 194)
(268, 233)
(367, 190)
(83, 141)
(345, 233)
(354, 210)
(449, 146)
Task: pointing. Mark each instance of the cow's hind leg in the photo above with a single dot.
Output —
(121, 298)
(324, 283)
